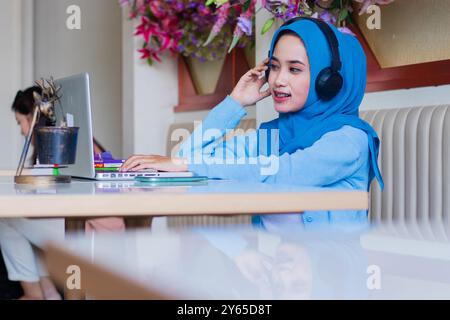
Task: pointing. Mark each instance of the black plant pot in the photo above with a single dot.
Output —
(57, 145)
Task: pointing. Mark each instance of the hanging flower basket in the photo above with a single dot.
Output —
(209, 29)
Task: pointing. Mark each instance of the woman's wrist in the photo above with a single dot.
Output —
(236, 98)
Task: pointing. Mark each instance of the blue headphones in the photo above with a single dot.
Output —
(329, 81)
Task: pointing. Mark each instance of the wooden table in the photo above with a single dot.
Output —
(81, 200)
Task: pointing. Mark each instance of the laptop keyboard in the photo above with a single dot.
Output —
(124, 175)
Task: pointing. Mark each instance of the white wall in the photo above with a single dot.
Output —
(15, 72)
(150, 94)
(96, 49)
(426, 96)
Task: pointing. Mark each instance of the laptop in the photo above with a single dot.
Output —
(76, 107)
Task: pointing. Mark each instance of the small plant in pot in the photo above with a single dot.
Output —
(57, 144)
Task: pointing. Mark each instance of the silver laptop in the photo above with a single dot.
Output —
(76, 106)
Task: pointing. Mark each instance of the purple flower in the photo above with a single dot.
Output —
(179, 6)
(327, 17)
(346, 31)
(245, 25)
(194, 40)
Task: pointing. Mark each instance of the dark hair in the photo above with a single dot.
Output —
(24, 101)
(24, 105)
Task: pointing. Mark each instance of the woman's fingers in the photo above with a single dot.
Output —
(128, 163)
(134, 161)
(144, 166)
(261, 69)
(264, 63)
(256, 73)
(265, 94)
(258, 70)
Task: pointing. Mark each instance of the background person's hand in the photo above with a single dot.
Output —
(160, 163)
(248, 90)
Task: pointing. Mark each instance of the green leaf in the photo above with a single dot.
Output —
(343, 15)
(234, 43)
(247, 5)
(351, 20)
(269, 23)
(209, 2)
(210, 39)
(220, 2)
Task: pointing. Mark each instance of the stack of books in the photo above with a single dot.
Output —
(105, 162)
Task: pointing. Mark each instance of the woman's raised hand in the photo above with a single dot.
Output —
(248, 90)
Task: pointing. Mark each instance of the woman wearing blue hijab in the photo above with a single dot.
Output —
(299, 130)
(321, 141)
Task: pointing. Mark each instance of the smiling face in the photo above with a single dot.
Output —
(290, 77)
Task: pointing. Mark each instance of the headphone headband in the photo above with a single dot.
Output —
(332, 40)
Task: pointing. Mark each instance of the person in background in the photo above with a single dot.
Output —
(20, 237)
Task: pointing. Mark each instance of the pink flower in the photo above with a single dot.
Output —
(145, 29)
(145, 53)
(157, 9)
(124, 3)
(222, 15)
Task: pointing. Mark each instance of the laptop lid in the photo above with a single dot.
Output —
(76, 106)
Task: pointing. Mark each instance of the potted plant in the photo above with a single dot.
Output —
(57, 144)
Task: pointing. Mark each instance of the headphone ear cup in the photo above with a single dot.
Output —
(328, 84)
(267, 74)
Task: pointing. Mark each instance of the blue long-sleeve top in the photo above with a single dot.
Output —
(339, 160)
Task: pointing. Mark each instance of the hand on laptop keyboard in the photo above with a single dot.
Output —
(159, 163)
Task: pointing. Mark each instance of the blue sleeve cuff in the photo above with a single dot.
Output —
(199, 169)
(226, 115)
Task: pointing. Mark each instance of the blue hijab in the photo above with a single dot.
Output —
(301, 129)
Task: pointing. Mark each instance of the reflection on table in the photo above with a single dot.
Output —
(327, 262)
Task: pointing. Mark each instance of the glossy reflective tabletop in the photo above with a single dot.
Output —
(327, 262)
(94, 199)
